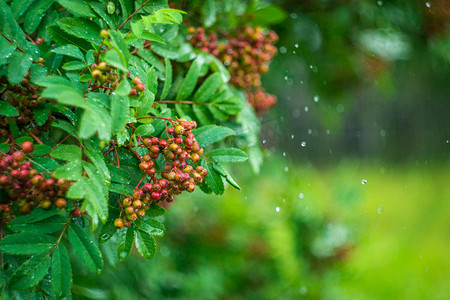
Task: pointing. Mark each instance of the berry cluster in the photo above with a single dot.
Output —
(181, 153)
(25, 187)
(246, 52)
(261, 100)
(25, 98)
(104, 74)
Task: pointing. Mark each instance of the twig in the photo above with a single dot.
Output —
(117, 157)
(61, 142)
(129, 18)
(33, 136)
(12, 42)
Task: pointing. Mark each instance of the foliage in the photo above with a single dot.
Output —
(106, 113)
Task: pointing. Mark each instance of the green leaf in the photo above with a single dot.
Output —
(77, 7)
(85, 248)
(66, 126)
(146, 104)
(5, 148)
(67, 152)
(27, 243)
(41, 150)
(74, 66)
(119, 175)
(44, 164)
(81, 28)
(62, 90)
(99, 116)
(19, 64)
(114, 58)
(121, 189)
(19, 7)
(8, 110)
(209, 10)
(209, 134)
(124, 88)
(190, 81)
(224, 173)
(107, 231)
(167, 80)
(49, 225)
(269, 14)
(41, 113)
(150, 226)
(145, 244)
(98, 161)
(31, 272)
(152, 59)
(69, 171)
(35, 14)
(100, 9)
(202, 114)
(227, 155)
(62, 38)
(208, 88)
(155, 211)
(61, 273)
(144, 130)
(125, 239)
(96, 193)
(6, 53)
(213, 180)
(69, 50)
(36, 215)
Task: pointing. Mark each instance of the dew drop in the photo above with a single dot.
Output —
(303, 144)
(104, 237)
(428, 4)
(123, 254)
(380, 3)
(282, 50)
(316, 98)
(301, 195)
(363, 181)
(277, 209)
(286, 169)
(380, 210)
(306, 108)
(296, 45)
(292, 136)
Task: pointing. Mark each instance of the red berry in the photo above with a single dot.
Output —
(28, 147)
(76, 213)
(18, 156)
(61, 203)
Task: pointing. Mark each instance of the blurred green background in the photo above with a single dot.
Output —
(353, 199)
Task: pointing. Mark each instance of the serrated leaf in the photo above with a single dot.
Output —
(6, 53)
(227, 155)
(144, 130)
(41, 150)
(36, 215)
(35, 14)
(31, 272)
(19, 7)
(70, 171)
(150, 226)
(62, 38)
(81, 28)
(100, 9)
(62, 90)
(155, 210)
(74, 66)
(190, 81)
(69, 50)
(19, 64)
(121, 189)
(61, 272)
(119, 175)
(85, 248)
(107, 231)
(224, 173)
(208, 88)
(41, 113)
(95, 114)
(209, 134)
(96, 192)
(8, 110)
(98, 161)
(202, 114)
(49, 225)
(124, 88)
(27, 243)
(44, 164)
(213, 180)
(66, 126)
(77, 7)
(167, 80)
(114, 58)
(145, 244)
(125, 238)
(67, 152)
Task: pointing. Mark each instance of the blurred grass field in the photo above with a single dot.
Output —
(301, 233)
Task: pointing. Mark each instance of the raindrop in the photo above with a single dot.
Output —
(428, 4)
(306, 108)
(296, 113)
(293, 16)
(292, 136)
(380, 3)
(227, 63)
(123, 254)
(447, 141)
(363, 181)
(309, 131)
(286, 169)
(316, 98)
(278, 209)
(340, 108)
(284, 154)
(282, 50)
(301, 195)
(420, 255)
(286, 78)
(264, 141)
(296, 45)
(303, 144)
(328, 131)
(380, 210)
(382, 133)
(104, 237)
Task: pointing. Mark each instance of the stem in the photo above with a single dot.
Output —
(60, 236)
(154, 117)
(117, 157)
(140, 181)
(109, 150)
(129, 18)
(33, 136)
(61, 142)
